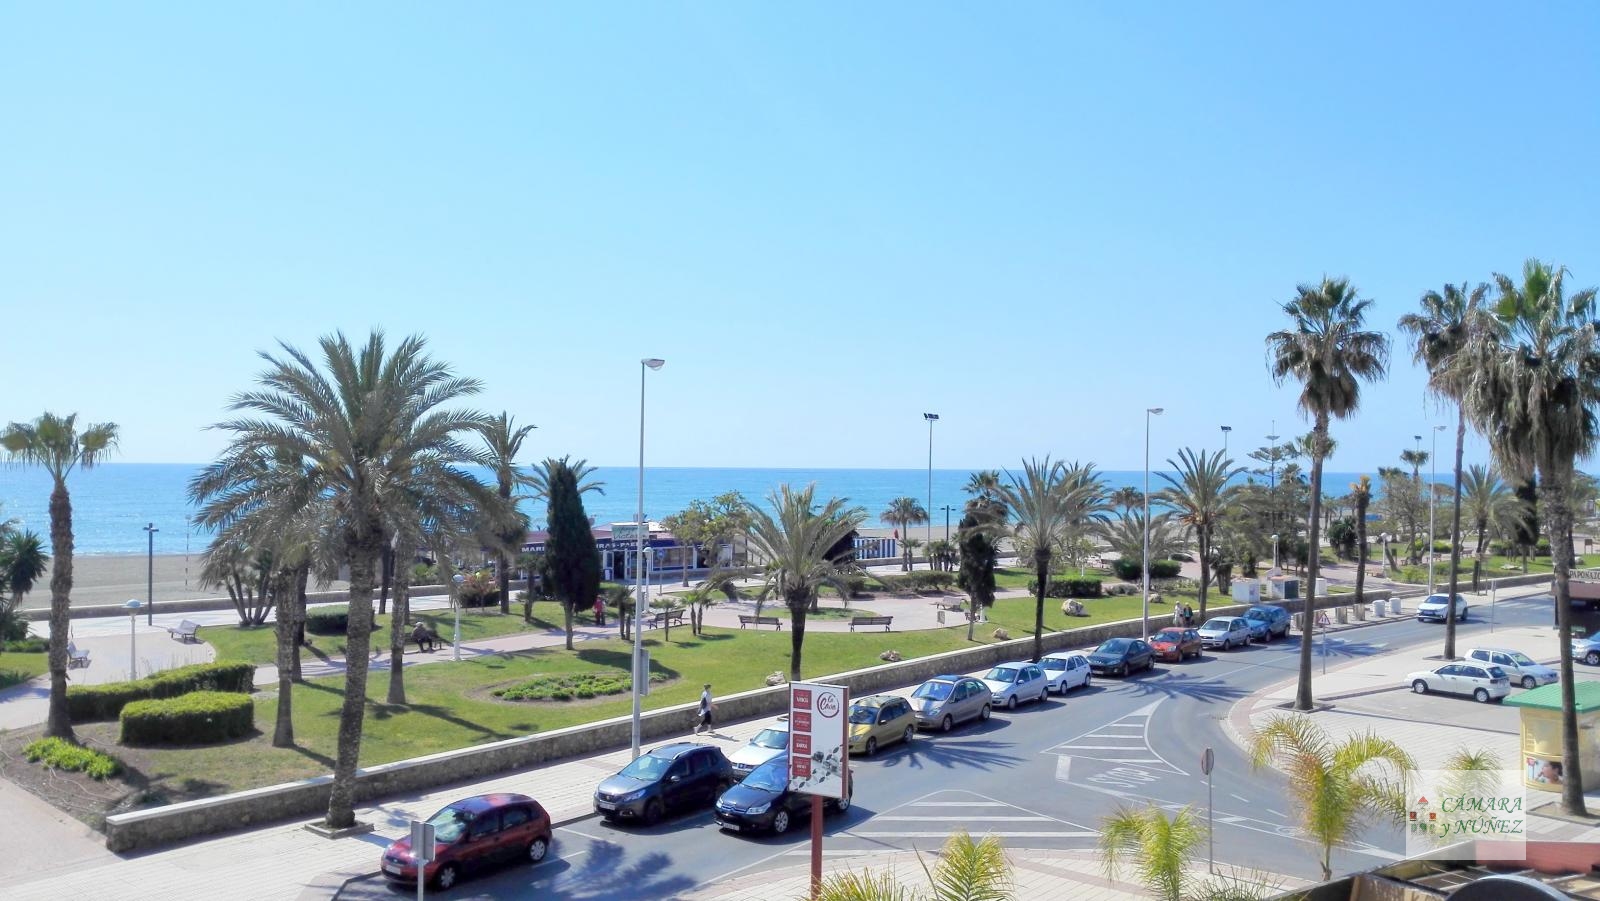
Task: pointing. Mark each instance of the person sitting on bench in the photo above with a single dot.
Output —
(423, 636)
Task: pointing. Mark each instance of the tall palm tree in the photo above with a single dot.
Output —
(1162, 847)
(1361, 496)
(1329, 353)
(1046, 502)
(22, 563)
(1339, 787)
(1446, 326)
(1491, 505)
(794, 540)
(1198, 496)
(368, 425)
(903, 513)
(1126, 498)
(503, 439)
(1126, 535)
(985, 483)
(966, 870)
(1532, 388)
(55, 443)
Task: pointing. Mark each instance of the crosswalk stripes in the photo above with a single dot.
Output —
(933, 818)
(1122, 741)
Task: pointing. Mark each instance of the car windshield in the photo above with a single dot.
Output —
(449, 824)
(771, 738)
(1169, 635)
(648, 768)
(773, 776)
(1114, 646)
(1053, 663)
(1521, 659)
(1217, 625)
(1002, 674)
(863, 716)
(938, 691)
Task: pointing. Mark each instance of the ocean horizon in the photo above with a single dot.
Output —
(112, 503)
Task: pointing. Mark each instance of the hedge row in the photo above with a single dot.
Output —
(1159, 569)
(60, 754)
(1068, 588)
(917, 580)
(200, 717)
(89, 703)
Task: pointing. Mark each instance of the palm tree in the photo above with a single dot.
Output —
(985, 483)
(503, 438)
(369, 428)
(1046, 502)
(1532, 386)
(1161, 847)
(967, 870)
(1339, 787)
(1494, 509)
(1416, 459)
(1127, 498)
(1361, 496)
(903, 513)
(1329, 353)
(22, 562)
(794, 542)
(1448, 323)
(1125, 535)
(55, 443)
(1199, 498)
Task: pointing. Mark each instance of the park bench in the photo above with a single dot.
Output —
(760, 621)
(673, 616)
(1377, 574)
(186, 631)
(949, 605)
(76, 656)
(883, 621)
(431, 638)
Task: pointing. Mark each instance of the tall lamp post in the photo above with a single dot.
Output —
(650, 363)
(458, 579)
(1225, 430)
(932, 418)
(1433, 481)
(150, 574)
(947, 508)
(132, 606)
(1149, 411)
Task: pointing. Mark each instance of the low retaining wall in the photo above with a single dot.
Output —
(165, 825)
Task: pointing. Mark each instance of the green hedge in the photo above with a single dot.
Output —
(1128, 570)
(27, 646)
(197, 718)
(89, 703)
(60, 754)
(1068, 588)
(328, 622)
(917, 580)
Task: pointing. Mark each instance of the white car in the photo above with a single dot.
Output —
(1587, 649)
(1522, 669)
(767, 744)
(1225, 632)
(1065, 670)
(1485, 683)
(1437, 607)
(1012, 683)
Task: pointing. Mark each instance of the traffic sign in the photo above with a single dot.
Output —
(1207, 761)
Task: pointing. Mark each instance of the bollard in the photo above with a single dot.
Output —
(1361, 611)
(1342, 615)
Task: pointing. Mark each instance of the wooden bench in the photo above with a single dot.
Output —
(673, 616)
(949, 605)
(883, 621)
(76, 656)
(760, 621)
(186, 631)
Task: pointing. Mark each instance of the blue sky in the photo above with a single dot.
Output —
(1034, 219)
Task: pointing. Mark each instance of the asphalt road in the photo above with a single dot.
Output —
(1040, 777)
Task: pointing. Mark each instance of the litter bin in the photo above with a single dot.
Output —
(1541, 732)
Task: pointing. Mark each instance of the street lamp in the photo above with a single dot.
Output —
(150, 574)
(1385, 537)
(458, 579)
(1275, 570)
(132, 607)
(1433, 481)
(1225, 430)
(639, 673)
(1149, 411)
(947, 508)
(932, 418)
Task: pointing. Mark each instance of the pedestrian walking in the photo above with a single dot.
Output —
(705, 710)
(599, 610)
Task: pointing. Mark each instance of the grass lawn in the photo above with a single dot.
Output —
(258, 644)
(1018, 577)
(16, 667)
(781, 611)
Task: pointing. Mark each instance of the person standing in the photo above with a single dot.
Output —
(599, 610)
(705, 710)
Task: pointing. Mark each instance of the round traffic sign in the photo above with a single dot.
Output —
(1207, 761)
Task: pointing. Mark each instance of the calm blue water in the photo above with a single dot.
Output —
(112, 504)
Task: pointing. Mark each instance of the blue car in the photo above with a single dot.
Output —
(1267, 622)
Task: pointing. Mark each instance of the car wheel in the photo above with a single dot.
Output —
(1011, 703)
(1463, 617)
(983, 715)
(1123, 671)
(1592, 658)
(1086, 680)
(1420, 687)
(1482, 696)
(1529, 682)
(653, 812)
(446, 877)
(1150, 665)
(780, 822)
(945, 724)
(537, 849)
(842, 805)
(872, 746)
(910, 731)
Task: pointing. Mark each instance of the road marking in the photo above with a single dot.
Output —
(1277, 813)
(986, 819)
(995, 834)
(1240, 798)
(958, 804)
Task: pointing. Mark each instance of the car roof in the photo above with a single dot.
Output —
(1493, 650)
(948, 678)
(776, 727)
(1063, 654)
(480, 803)
(678, 749)
(1015, 663)
(1223, 618)
(874, 700)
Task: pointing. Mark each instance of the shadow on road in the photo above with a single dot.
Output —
(604, 871)
(1184, 685)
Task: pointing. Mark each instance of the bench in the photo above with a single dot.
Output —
(949, 605)
(186, 631)
(883, 621)
(431, 638)
(76, 656)
(673, 616)
(760, 621)
(1377, 574)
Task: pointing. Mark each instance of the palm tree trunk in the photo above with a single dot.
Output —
(1041, 572)
(1361, 549)
(1559, 517)
(58, 723)
(502, 573)
(398, 621)
(283, 629)
(358, 642)
(1455, 540)
(385, 570)
(1203, 542)
(1302, 699)
(798, 607)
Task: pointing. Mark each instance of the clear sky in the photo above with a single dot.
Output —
(1036, 219)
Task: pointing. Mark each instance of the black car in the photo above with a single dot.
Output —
(1121, 656)
(675, 777)
(764, 803)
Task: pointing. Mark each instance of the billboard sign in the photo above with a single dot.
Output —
(818, 738)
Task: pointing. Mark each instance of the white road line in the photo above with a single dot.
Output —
(995, 834)
(967, 819)
(958, 804)
(829, 852)
(593, 838)
(1277, 813)
(1240, 798)
(1105, 748)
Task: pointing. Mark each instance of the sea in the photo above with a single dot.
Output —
(112, 503)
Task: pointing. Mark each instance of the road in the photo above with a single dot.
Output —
(1040, 777)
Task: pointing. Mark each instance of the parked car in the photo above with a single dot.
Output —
(1065, 670)
(1267, 622)
(474, 834)
(1437, 607)
(1176, 644)
(945, 701)
(1121, 656)
(674, 777)
(1587, 649)
(1522, 669)
(767, 744)
(1225, 632)
(1012, 683)
(1485, 683)
(879, 720)
(764, 803)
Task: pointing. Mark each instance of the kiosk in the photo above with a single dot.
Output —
(1541, 732)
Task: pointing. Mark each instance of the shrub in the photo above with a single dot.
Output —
(13, 629)
(60, 754)
(1067, 588)
(27, 645)
(566, 686)
(196, 718)
(1128, 569)
(1542, 549)
(88, 703)
(328, 621)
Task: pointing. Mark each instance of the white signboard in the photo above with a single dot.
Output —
(625, 531)
(819, 753)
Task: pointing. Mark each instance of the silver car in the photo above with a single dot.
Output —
(1012, 683)
(943, 701)
(1225, 632)
(767, 744)
(1484, 683)
(1522, 669)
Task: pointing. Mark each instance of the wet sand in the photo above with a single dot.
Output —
(111, 579)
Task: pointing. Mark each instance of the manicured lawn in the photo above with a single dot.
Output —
(257, 644)
(18, 667)
(781, 611)
(1019, 577)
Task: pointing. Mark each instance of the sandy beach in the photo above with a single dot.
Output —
(113, 578)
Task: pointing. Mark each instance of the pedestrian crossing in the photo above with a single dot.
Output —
(1124, 741)
(927, 822)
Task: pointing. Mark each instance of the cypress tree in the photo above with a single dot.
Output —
(570, 552)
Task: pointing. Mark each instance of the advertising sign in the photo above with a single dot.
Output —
(818, 738)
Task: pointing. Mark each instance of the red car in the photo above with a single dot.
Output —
(475, 834)
(1176, 644)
